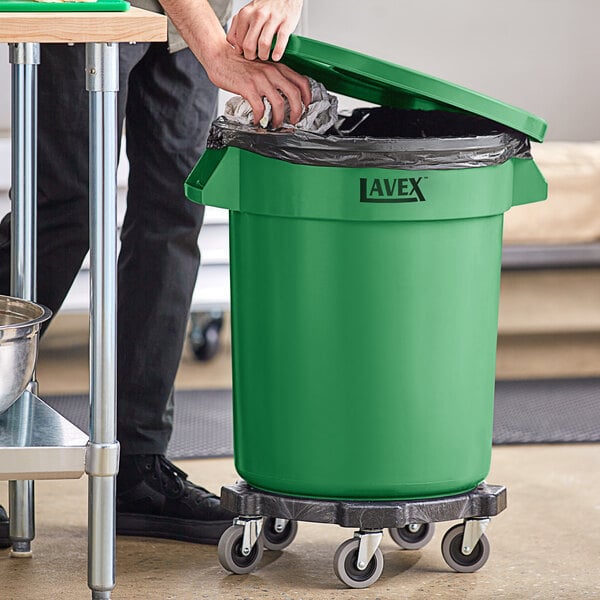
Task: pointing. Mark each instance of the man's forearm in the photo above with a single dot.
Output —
(199, 26)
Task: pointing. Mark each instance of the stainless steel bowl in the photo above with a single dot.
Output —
(20, 322)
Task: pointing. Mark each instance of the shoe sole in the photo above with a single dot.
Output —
(170, 528)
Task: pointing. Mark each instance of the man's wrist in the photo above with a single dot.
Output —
(211, 52)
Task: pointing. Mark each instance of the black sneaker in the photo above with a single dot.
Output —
(155, 499)
(4, 529)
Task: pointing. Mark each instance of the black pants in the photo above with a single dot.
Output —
(169, 103)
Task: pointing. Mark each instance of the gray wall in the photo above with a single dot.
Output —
(542, 55)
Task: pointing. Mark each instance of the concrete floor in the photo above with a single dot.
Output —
(545, 546)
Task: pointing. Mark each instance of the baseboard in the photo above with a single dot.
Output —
(548, 356)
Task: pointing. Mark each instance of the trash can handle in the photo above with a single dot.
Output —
(215, 179)
(529, 184)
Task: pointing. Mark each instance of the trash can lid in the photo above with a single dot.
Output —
(385, 83)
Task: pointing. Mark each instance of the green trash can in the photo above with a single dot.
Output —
(364, 298)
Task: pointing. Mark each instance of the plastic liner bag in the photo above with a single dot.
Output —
(385, 138)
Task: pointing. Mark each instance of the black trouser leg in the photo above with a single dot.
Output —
(170, 106)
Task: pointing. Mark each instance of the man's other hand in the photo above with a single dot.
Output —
(254, 27)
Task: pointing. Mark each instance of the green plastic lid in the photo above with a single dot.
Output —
(385, 83)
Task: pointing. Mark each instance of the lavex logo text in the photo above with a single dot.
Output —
(400, 189)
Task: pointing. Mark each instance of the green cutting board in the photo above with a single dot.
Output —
(31, 6)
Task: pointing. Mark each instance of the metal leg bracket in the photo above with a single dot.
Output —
(102, 460)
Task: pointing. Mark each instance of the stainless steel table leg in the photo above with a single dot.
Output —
(24, 58)
(102, 81)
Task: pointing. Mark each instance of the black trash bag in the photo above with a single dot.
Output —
(384, 138)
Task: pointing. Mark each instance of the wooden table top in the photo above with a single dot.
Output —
(133, 25)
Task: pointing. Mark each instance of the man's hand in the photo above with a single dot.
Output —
(254, 27)
(254, 80)
(257, 80)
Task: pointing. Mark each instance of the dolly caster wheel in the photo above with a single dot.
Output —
(278, 534)
(231, 551)
(413, 536)
(345, 565)
(205, 334)
(452, 551)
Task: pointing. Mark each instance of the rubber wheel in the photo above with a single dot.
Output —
(230, 552)
(205, 341)
(273, 540)
(409, 540)
(344, 565)
(453, 555)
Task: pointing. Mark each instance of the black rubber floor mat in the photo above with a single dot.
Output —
(526, 412)
(202, 428)
(547, 411)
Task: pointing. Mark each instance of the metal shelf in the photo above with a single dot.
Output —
(36, 442)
